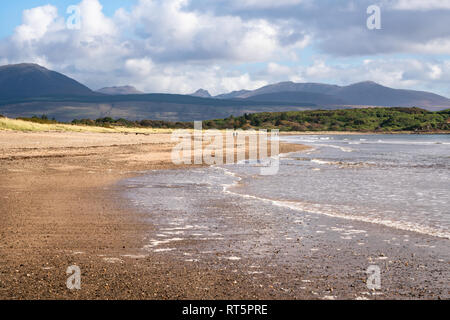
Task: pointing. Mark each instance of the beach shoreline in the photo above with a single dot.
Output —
(59, 207)
(340, 133)
(62, 205)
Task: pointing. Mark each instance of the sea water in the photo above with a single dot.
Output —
(399, 181)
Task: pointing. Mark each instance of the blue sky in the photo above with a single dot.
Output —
(223, 45)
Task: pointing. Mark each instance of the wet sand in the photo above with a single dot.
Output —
(61, 205)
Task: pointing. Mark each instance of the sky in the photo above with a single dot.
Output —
(179, 46)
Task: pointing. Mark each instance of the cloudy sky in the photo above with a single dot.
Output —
(178, 46)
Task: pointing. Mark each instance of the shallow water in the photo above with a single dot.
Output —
(401, 181)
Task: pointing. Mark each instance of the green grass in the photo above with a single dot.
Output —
(7, 124)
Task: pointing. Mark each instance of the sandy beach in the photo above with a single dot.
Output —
(59, 207)
(61, 204)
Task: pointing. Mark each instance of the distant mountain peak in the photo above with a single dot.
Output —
(232, 95)
(27, 89)
(24, 64)
(367, 83)
(283, 82)
(24, 68)
(365, 93)
(27, 80)
(119, 90)
(202, 93)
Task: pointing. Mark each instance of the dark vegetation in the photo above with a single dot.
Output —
(370, 119)
(366, 120)
(42, 119)
(110, 122)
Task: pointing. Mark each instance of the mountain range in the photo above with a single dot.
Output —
(202, 93)
(366, 93)
(31, 80)
(120, 90)
(30, 89)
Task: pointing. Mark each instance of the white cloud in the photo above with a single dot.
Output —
(172, 46)
(185, 79)
(435, 72)
(139, 67)
(319, 70)
(172, 32)
(238, 82)
(264, 4)
(421, 4)
(43, 36)
(396, 73)
(162, 45)
(36, 23)
(276, 69)
(433, 46)
(94, 22)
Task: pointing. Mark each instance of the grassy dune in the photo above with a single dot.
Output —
(27, 126)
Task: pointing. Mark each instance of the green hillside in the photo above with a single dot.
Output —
(370, 119)
(365, 120)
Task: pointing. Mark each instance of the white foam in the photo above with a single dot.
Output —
(233, 258)
(318, 161)
(134, 256)
(187, 227)
(334, 212)
(113, 260)
(173, 233)
(406, 226)
(155, 243)
(343, 149)
(164, 250)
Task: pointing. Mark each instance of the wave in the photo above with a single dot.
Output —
(318, 141)
(334, 212)
(318, 161)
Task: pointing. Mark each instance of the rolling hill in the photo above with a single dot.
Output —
(366, 93)
(373, 94)
(123, 90)
(31, 80)
(281, 88)
(29, 89)
(290, 96)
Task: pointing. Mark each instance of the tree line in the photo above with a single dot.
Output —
(367, 119)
